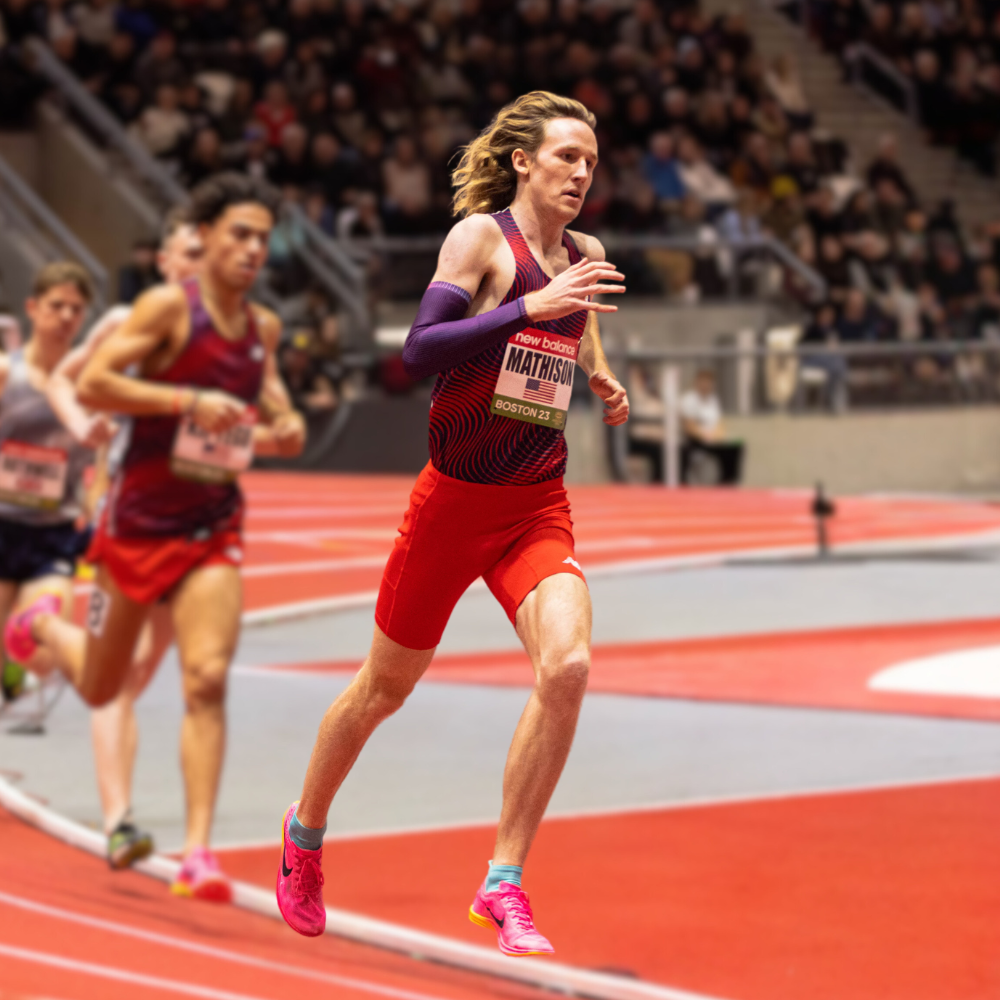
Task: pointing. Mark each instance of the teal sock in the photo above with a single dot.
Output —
(305, 836)
(502, 873)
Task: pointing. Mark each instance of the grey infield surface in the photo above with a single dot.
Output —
(439, 761)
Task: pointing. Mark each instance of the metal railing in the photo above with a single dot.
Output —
(769, 378)
(871, 71)
(328, 262)
(364, 249)
(25, 212)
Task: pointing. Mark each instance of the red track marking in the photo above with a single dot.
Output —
(187, 943)
(294, 517)
(882, 895)
(824, 669)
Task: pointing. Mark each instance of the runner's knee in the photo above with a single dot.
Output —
(205, 681)
(385, 695)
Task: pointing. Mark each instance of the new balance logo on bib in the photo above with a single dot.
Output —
(536, 378)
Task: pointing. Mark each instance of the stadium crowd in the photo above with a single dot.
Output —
(354, 109)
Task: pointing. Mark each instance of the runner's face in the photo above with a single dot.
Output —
(56, 316)
(181, 255)
(236, 244)
(562, 170)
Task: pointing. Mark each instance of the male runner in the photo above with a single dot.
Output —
(114, 729)
(171, 529)
(41, 465)
(504, 322)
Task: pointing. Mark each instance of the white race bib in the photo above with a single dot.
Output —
(213, 458)
(536, 378)
(31, 476)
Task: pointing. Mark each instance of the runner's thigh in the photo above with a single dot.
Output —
(206, 610)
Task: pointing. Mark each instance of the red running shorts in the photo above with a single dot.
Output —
(454, 532)
(147, 569)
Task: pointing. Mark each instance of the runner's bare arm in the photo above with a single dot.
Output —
(284, 429)
(4, 369)
(90, 429)
(154, 322)
(592, 358)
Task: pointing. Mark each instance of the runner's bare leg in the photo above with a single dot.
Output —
(42, 662)
(206, 610)
(113, 728)
(553, 622)
(96, 661)
(379, 688)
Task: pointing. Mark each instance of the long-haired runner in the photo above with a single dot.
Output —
(508, 316)
(171, 529)
(114, 728)
(41, 465)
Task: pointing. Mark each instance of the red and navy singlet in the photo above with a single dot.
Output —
(469, 442)
(147, 498)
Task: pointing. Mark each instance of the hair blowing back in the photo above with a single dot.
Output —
(485, 179)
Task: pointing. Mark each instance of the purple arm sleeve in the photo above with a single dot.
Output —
(441, 337)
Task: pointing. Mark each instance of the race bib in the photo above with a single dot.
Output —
(536, 378)
(213, 458)
(31, 476)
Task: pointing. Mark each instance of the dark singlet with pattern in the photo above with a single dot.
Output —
(147, 498)
(469, 442)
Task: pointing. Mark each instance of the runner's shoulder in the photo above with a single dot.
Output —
(268, 325)
(589, 246)
(161, 302)
(474, 236)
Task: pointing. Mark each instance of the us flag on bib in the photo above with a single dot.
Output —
(539, 390)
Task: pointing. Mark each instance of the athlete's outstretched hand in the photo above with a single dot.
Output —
(289, 432)
(571, 291)
(216, 412)
(614, 396)
(93, 430)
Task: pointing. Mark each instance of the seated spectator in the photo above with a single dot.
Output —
(407, 186)
(159, 66)
(858, 321)
(660, 168)
(801, 164)
(824, 219)
(204, 157)
(952, 275)
(349, 120)
(785, 86)
(331, 168)
(985, 311)
(162, 127)
(933, 98)
(275, 113)
(292, 166)
(755, 168)
(823, 332)
(701, 179)
(885, 166)
(311, 391)
(704, 433)
(360, 220)
(318, 209)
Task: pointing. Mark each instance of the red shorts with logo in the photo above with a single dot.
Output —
(454, 532)
(147, 569)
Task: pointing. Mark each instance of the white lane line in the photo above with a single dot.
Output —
(210, 952)
(721, 801)
(121, 975)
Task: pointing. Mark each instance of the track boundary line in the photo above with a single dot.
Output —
(416, 944)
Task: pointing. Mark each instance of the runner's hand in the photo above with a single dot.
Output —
(571, 291)
(95, 430)
(614, 396)
(216, 412)
(289, 431)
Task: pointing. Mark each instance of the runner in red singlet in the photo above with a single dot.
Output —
(171, 527)
(508, 316)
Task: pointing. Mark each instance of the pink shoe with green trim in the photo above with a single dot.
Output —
(17, 638)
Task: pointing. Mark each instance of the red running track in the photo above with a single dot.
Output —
(72, 929)
(327, 536)
(878, 895)
(819, 669)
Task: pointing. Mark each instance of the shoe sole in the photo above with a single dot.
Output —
(136, 852)
(277, 886)
(485, 922)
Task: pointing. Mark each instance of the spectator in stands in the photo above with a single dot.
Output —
(159, 66)
(407, 184)
(140, 273)
(985, 305)
(292, 166)
(885, 166)
(801, 164)
(163, 126)
(310, 389)
(701, 179)
(361, 219)
(660, 168)
(953, 277)
(275, 113)
(823, 332)
(204, 157)
(785, 86)
(858, 321)
(704, 434)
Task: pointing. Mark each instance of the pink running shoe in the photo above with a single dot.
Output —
(201, 877)
(300, 884)
(508, 912)
(17, 638)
